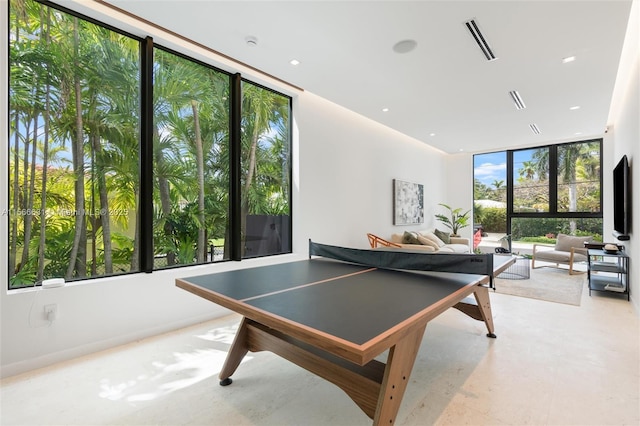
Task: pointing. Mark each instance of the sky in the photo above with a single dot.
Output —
(490, 167)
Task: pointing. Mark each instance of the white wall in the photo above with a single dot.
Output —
(342, 190)
(624, 124)
(459, 187)
(347, 165)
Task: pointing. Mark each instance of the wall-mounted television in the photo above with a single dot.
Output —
(622, 199)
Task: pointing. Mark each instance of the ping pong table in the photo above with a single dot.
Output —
(333, 318)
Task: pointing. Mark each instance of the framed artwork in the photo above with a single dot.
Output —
(408, 203)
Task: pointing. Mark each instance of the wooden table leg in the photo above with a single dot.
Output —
(396, 377)
(484, 304)
(239, 349)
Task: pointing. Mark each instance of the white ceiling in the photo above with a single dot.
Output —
(444, 93)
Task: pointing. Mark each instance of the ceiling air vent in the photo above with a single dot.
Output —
(534, 128)
(479, 38)
(517, 100)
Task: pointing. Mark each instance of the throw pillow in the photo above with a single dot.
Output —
(565, 242)
(427, 242)
(409, 238)
(444, 236)
(432, 237)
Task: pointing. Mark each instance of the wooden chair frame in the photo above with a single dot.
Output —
(376, 241)
(557, 263)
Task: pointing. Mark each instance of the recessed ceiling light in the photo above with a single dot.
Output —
(573, 108)
(385, 109)
(578, 133)
(405, 46)
(568, 59)
(294, 62)
(432, 134)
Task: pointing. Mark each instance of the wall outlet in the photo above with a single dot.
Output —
(51, 312)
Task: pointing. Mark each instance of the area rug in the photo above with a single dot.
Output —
(549, 284)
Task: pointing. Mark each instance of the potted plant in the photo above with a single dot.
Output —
(455, 220)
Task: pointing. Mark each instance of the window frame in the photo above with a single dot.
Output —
(145, 147)
(553, 212)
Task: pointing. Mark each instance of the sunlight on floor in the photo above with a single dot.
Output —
(184, 369)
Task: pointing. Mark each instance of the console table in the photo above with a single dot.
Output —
(608, 271)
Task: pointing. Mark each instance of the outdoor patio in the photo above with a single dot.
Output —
(491, 241)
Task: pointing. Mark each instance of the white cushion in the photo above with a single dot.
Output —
(420, 247)
(458, 248)
(427, 242)
(434, 238)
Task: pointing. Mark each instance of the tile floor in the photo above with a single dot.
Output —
(552, 364)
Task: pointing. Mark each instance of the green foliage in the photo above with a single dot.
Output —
(455, 219)
(524, 229)
(540, 240)
(24, 277)
(81, 82)
(493, 219)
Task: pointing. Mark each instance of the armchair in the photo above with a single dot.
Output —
(567, 250)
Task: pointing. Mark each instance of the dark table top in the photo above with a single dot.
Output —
(351, 302)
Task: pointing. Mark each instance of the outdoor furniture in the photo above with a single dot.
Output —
(567, 251)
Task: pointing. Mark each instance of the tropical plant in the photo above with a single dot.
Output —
(455, 219)
(75, 153)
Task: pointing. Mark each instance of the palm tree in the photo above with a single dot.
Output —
(45, 156)
(480, 190)
(73, 119)
(74, 96)
(263, 112)
(192, 125)
(569, 157)
(201, 244)
(528, 170)
(166, 89)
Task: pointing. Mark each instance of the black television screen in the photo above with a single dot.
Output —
(621, 199)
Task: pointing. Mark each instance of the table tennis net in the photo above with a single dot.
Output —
(481, 264)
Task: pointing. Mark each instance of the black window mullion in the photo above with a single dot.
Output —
(600, 176)
(146, 157)
(235, 200)
(509, 190)
(553, 179)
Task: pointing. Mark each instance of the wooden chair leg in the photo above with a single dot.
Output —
(376, 241)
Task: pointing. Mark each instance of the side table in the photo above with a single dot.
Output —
(520, 270)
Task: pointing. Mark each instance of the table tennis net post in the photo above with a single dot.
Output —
(480, 264)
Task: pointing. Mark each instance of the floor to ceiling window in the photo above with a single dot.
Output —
(265, 172)
(102, 182)
(74, 147)
(190, 160)
(536, 193)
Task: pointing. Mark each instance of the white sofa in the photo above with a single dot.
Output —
(428, 241)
